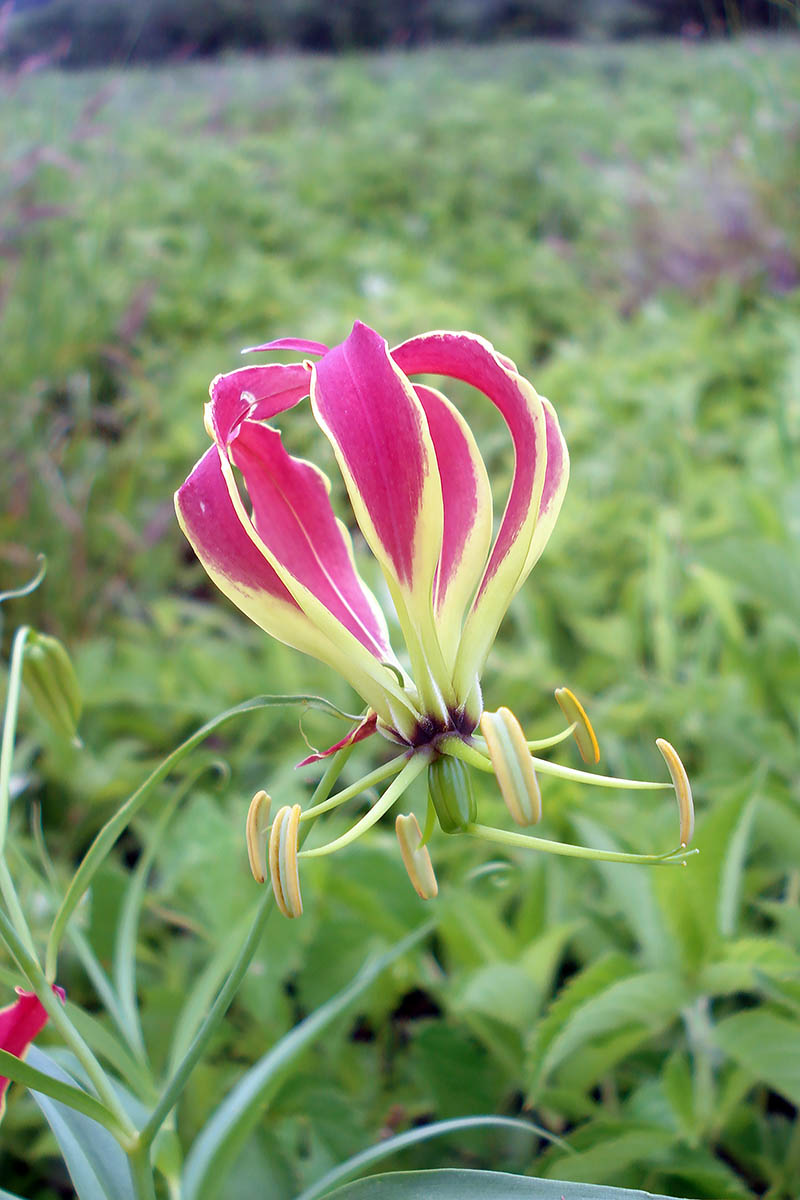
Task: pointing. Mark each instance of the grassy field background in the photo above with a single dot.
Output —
(623, 221)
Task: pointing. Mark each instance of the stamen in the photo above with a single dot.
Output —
(472, 755)
(355, 789)
(683, 790)
(414, 766)
(283, 861)
(574, 711)
(509, 837)
(416, 859)
(513, 765)
(256, 833)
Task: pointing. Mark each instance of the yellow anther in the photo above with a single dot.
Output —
(583, 733)
(416, 859)
(283, 861)
(256, 832)
(683, 789)
(513, 765)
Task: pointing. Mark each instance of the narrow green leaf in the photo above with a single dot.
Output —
(97, 1166)
(23, 1072)
(478, 1185)
(225, 1133)
(114, 827)
(730, 887)
(411, 1137)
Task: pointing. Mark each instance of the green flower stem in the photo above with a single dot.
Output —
(35, 976)
(7, 889)
(355, 789)
(415, 765)
(10, 726)
(108, 835)
(178, 1081)
(142, 1171)
(16, 915)
(470, 754)
(507, 837)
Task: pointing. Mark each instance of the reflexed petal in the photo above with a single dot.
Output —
(472, 359)
(293, 517)
(555, 485)
(213, 519)
(20, 1023)
(364, 729)
(377, 427)
(290, 343)
(258, 392)
(467, 502)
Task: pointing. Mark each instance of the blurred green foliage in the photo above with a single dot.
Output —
(623, 222)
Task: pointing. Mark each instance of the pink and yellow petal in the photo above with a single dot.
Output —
(467, 508)
(379, 433)
(212, 516)
(555, 486)
(20, 1023)
(256, 392)
(473, 360)
(293, 517)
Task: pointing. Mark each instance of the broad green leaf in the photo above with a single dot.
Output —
(746, 962)
(477, 1185)
(766, 1045)
(223, 1136)
(502, 991)
(649, 1000)
(614, 1151)
(97, 1166)
(590, 982)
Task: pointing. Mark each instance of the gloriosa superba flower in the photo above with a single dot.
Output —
(422, 500)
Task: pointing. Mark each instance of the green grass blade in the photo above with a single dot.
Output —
(223, 1136)
(456, 1184)
(117, 824)
(373, 1154)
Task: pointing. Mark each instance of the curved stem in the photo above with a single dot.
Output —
(355, 789)
(507, 837)
(112, 829)
(177, 1082)
(10, 726)
(35, 976)
(409, 773)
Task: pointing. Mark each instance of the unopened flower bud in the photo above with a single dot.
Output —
(256, 833)
(416, 859)
(283, 861)
(513, 765)
(450, 791)
(51, 682)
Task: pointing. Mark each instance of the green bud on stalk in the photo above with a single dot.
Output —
(50, 678)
